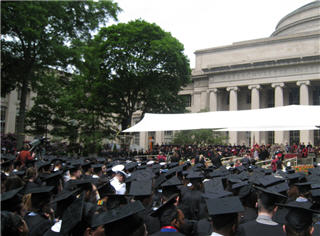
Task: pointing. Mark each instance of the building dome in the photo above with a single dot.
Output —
(304, 19)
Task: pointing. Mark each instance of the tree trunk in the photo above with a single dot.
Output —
(22, 114)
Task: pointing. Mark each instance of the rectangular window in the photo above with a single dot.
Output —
(316, 96)
(270, 137)
(3, 118)
(248, 98)
(317, 137)
(294, 96)
(168, 135)
(270, 97)
(136, 138)
(294, 137)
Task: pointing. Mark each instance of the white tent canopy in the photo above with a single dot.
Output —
(294, 117)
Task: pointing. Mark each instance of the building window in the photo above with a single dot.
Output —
(294, 137)
(168, 135)
(136, 138)
(270, 137)
(294, 96)
(187, 99)
(316, 96)
(3, 118)
(248, 98)
(317, 137)
(248, 137)
(270, 97)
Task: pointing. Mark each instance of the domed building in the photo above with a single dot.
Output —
(280, 70)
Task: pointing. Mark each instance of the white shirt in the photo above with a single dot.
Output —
(216, 234)
(119, 187)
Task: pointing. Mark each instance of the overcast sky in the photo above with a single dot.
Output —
(200, 24)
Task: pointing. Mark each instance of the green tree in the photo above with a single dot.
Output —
(36, 35)
(200, 137)
(144, 68)
(75, 106)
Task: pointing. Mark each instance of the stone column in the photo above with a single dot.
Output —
(11, 113)
(255, 104)
(233, 106)
(305, 135)
(213, 100)
(204, 100)
(279, 136)
(196, 101)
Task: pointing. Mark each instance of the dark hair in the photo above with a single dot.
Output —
(39, 201)
(224, 221)
(10, 223)
(266, 202)
(168, 215)
(291, 232)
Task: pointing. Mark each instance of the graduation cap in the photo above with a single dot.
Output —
(43, 164)
(268, 180)
(52, 179)
(131, 165)
(270, 196)
(117, 168)
(213, 195)
(6, 164)
(72, 215)
(105, 189)
(227, 205)
(64, 194)
(38, 189)
(116, 214)
(300, 215)
(195, 176)
(159, 180)
(10, 194)
(304, 186)
(174, 181)
(141, 188)
(170, 202)
(315, 193)
(19, 173)
(242, 189)
(279, 188)
(315, 185)
(97, 167)
(170, 187)
(173, 164)
(8, 157)
(213, 185)
(74, 167)
(11, 200)
(293, 178)
(86, 165)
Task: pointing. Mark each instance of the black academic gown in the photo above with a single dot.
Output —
(37, 224)
(152, 223)
(249, 214)
(253, 228)
(204, 227)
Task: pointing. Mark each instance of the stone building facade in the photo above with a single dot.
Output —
(280, 70)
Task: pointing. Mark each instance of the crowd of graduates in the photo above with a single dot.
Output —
(156, 195)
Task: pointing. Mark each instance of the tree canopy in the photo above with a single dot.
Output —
(144, 68)
(200, 137)
(36, 35)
